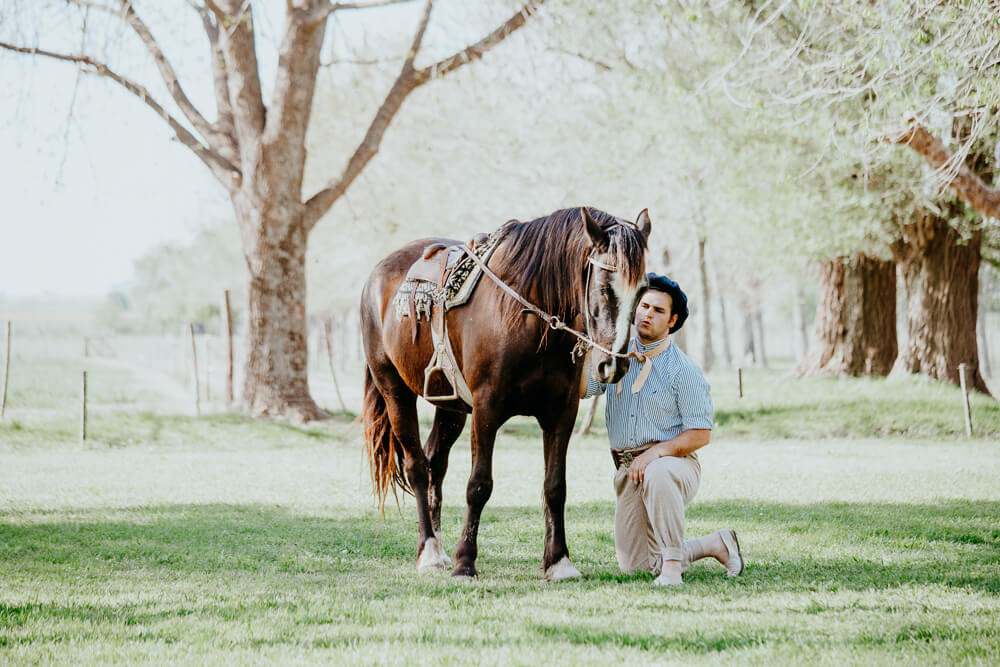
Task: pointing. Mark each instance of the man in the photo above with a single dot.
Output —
(658, 416)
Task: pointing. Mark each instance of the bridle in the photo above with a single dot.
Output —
(584, 341)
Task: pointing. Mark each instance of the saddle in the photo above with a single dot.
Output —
(442, 278)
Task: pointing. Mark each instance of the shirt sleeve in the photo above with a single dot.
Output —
(594, 387)
(694, 398)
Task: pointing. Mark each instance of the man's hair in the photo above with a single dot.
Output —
(678, 300)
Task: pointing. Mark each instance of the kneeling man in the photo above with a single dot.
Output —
(657, 417)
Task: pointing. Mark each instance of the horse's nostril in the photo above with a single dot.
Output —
(604, 369)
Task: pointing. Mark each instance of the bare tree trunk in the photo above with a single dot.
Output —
(588, 420)
(855, 329)
(328, 331)
(749, 348)
(707, 352)
(940, 271)
(758, 330)
(984, 344)
(801, 324)
(723, 320)
(724, 323)
(275, 380)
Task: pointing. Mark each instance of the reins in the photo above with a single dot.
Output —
(552, 321)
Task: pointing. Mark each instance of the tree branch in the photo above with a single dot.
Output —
(284, 136)
(224, 124)
(318, 14)
(476, 51)
(167, 73)
(225, 171)
(966, 184)
(236, 39)
(405, 82)
(408, 80)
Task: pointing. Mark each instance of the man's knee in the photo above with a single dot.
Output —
(632, 563)
(664, 472)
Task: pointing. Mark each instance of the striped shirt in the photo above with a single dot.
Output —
(676, 397)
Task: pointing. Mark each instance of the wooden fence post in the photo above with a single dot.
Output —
(739, 380)
(194, 359)
(965, 400)
(227, 325)
(83, 410)
(328, 334)
(6, 373)
(208, 369)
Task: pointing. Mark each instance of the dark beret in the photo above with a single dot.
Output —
(678, 300)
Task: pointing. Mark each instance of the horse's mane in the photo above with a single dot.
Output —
(543, 259)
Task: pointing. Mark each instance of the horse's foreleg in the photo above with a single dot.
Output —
(484, 433)
(446, 429)
(556, 433)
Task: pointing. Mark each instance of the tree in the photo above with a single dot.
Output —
(940, 269)
(855, 329)
(257, 152)
(920, 74)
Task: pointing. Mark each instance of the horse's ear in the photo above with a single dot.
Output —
(594, 229)
(644, 224)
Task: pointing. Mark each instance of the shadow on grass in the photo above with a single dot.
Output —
(788, 547)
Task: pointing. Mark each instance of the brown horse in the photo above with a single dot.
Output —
(583, 266)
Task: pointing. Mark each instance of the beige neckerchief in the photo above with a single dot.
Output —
(646, 359)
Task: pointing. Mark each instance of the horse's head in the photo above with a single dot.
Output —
(615, 271)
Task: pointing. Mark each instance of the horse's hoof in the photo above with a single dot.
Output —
(464, 572)
(432, 556)
(564, 569)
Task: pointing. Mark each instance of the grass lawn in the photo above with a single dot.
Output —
(869, 524)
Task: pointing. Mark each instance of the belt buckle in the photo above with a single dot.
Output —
(627, 458)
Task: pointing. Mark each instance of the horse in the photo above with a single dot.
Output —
(578, 269)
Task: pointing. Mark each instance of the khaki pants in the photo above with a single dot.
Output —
(649, 517)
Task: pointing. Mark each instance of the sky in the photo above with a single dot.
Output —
(90, 177)
(87, 194)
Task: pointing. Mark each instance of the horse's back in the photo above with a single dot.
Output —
(388, 336)
(389, 273)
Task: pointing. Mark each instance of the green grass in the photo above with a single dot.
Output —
(188, 551)
(777, 405)
(868, 520)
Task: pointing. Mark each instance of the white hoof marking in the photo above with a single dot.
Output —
(564, 569)
(432, 557)
(447, 560)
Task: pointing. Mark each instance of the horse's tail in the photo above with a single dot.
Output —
(385, 452)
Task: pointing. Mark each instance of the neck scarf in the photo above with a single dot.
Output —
(646, 359)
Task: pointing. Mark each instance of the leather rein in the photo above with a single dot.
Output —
(553, 321)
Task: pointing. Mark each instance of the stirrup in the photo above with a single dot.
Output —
(428, 374)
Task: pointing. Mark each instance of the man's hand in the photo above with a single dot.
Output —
(682, 445)
(637, 471)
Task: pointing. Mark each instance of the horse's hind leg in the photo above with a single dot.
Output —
(484, 433)
(447, 427)
(556, 431)
(401, 406)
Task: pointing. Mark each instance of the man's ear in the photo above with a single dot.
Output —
(673, 321)
(598, 236)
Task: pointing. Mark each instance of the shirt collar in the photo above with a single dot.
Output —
(646, 347)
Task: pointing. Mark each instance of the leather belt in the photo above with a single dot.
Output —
(624, 457)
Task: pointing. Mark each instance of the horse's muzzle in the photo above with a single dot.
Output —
(611, 370)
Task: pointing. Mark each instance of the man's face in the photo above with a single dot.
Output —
(652, 316)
